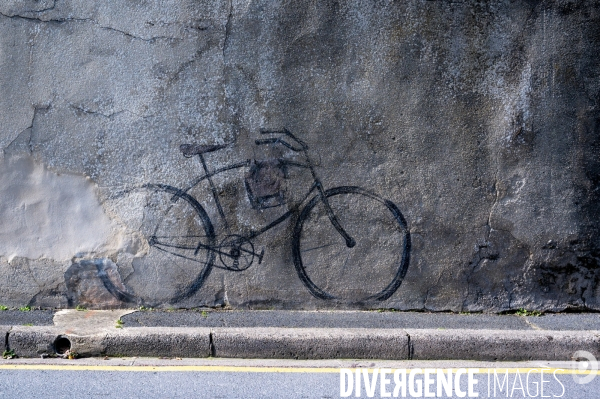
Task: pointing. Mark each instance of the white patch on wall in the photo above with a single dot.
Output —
(49, 215)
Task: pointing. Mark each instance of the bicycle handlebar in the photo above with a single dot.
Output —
(277, 140)
(286, 132)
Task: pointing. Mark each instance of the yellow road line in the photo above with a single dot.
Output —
(245, 369)
(240, 369)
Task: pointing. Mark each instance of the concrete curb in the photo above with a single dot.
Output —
(501, 344)
(310, 343)
(147, 341)
(313, 343)
(158, 341)
(32, 341)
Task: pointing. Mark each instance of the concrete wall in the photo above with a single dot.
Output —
(452, 150)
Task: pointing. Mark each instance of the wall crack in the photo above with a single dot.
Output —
(36, 109)
(109, 28)
(85, 110)
(489, 219)
(228, 27)
(40, 19)
(52, 7)
(144, 39)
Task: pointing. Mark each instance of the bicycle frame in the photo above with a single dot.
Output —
(316, 186)
(235, 249)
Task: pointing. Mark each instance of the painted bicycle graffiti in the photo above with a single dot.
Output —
(347, 243)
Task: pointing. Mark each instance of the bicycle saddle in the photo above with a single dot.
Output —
(189, 150)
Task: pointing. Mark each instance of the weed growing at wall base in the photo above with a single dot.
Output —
(525, 312)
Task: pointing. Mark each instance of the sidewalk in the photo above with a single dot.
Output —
(274, 334)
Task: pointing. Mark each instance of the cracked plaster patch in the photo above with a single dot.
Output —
(49, 215)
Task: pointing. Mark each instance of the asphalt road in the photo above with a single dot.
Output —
(189, 381)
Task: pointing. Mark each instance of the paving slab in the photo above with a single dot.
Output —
(89, 321)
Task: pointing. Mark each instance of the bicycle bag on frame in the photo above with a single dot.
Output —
(265, 183)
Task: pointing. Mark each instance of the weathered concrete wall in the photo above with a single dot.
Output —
(472, 130)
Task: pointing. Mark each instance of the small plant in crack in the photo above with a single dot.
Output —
(2, 307)
(81, 308)
(204, 313)
(25, 308)
(119, 324)
(8, 354)
(525, 312)
(386, 310)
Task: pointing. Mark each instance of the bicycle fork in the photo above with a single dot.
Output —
(350, 242)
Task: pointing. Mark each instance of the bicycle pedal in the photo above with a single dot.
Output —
(260, 256)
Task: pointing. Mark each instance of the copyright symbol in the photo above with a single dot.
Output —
(584, 361)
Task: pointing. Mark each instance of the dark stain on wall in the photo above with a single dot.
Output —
(96, 283)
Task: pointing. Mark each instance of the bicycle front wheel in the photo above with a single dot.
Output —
(180, 240)
(370, 270)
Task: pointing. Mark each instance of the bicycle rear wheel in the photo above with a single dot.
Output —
(180, 239)
(371, 270)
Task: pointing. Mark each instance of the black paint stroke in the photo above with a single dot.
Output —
(209, 231)
(405, 249)
(266, 193)
(264, 183)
